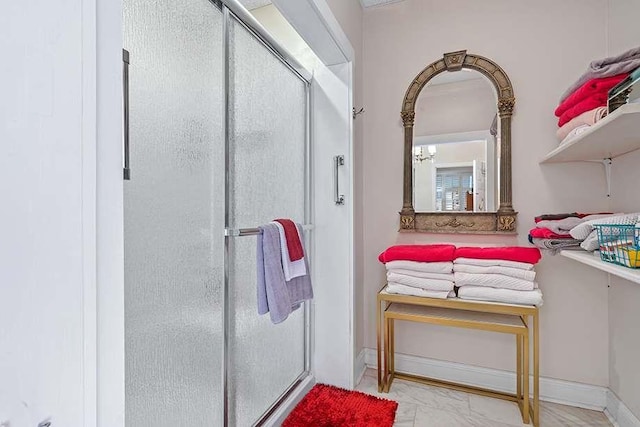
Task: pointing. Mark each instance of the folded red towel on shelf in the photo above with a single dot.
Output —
(587, 90)
(545, 233)
(419, 253)
(294, 245)
(508, 253)
(594, 101)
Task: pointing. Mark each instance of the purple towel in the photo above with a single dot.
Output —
(275, 295)
(607, 67)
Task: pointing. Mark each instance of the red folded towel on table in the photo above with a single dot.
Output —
(294, 245)
(545, 233)
(590, 88)
(419, 253)
(508, 253)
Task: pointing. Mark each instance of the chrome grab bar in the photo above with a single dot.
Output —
(337, 162)
(126, 172)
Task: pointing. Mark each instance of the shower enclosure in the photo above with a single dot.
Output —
(216, 143)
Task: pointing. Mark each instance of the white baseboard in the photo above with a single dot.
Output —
(360, 367)
(551, 390)
(618, 413)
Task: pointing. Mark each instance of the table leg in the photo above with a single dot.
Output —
(536, 370)
(392, 346)
(385, 374)
(519, 367)
(525, 378)
(379, 342)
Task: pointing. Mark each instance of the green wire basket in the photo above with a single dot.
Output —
(619, 244)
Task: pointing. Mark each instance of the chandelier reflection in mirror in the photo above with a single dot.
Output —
(419, 156)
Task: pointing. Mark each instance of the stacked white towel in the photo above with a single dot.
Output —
(423, 279)
(588, 234)
(496, 280)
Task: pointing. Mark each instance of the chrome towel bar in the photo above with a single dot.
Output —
(239, 232)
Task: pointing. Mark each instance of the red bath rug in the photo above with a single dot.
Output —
(328, 406)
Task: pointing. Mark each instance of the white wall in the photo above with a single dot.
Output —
(541, 61)
(624, 296)
(43, 368)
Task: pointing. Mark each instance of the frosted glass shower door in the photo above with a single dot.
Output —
(174, 214)
(267, 180)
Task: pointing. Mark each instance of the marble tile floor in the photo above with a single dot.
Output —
(425, 406)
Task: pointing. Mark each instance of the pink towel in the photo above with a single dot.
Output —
(589, 118)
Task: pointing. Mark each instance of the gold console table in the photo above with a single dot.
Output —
(519, 320)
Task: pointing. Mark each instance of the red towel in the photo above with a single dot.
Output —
(595, 101)
(508, 253)
(587, 90)
(419, 253)
(294, 245)
(545, 233)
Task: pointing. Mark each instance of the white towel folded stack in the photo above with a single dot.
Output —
(509, 282)
(423, 279)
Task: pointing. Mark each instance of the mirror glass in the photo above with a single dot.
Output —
(456, 144)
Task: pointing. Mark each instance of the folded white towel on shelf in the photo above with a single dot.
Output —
(418, 282)
(561, 226)
(427, 267)
(494, 262)
(582, 231)
(421, 274)
(575, 132)
(587, 232)
(591, 243)
(292, 269)
(397, 288)
(493, 281)
(518, 273)
(507, 296)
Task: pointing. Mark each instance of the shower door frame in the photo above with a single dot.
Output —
(232, 10)
(102, 204)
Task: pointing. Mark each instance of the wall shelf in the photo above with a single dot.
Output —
(594, 261)
(613, 136)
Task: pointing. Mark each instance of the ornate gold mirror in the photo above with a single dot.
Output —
(457, 157)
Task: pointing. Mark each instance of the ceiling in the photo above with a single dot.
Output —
(254, 4)
(370, 3)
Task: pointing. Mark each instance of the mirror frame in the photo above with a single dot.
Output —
(504, 220)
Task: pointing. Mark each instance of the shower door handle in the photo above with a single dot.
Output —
(337, 162)
(126, 172)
